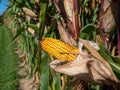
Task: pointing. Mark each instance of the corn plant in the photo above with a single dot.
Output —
(70, 21)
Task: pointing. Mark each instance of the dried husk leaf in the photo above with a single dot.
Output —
(94, 53)
(38, 24)
(77, 84)
(66, 9)
(87, 67)
(93, 4)
(71, 10)
(20, 14)
(68, 4)
(65, 36)
(91, 49)
(31, 31)
(89, 70)
(29, 12)
(37, 1)
(27, 18)
(107, 18)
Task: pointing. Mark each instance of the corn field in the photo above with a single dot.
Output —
(68, 44)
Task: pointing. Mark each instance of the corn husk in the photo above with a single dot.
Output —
(89, 67)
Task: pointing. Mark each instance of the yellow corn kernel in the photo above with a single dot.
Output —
(59, 49)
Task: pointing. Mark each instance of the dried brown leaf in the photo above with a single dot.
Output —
(31, 30)
(97, 55)
(70, 16)
(29, 12)
(91, 50)
(65, 36)
(107, 18)
(89, 70)
(88, 67)
(68, 4)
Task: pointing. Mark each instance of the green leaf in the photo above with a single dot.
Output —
(21, 28)
(33, 26)
(44, 81)
(57, 82)
(50, 32)
(106, 55)
(116, 59)
(94, 87)
(88, 32)
(42, 17)
(32, 1)
(95, 17)
(85, 1)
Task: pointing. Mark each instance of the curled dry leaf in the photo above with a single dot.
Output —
(31, 31)
(68, 4)
(28, 18)
(72, 9)
(29, 12)
(69, 11)
(65, 36)
(109, 10)
(37, 1)
(89, 70)
(88, 67)
(38, 24)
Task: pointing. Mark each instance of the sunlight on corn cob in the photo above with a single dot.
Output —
(59, 49)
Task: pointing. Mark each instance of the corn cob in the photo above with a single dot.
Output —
(59, 49)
